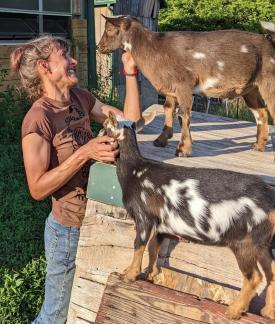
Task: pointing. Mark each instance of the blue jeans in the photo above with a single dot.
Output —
(60, 248)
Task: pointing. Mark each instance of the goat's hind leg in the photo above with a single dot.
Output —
(267, 90)
(247, 260)
(257, 106)
(268, 265)
(143, 232)
(167, 131)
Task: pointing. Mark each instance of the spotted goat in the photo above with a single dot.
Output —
(220, 64)
(207, 206)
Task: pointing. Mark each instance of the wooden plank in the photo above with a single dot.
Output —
(142, 302)
(196, 286)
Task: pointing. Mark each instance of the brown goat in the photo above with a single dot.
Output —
(220, 64)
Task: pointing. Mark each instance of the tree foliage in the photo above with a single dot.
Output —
(202, 15)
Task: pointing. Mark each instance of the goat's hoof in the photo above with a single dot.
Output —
(183, 154)
(268, 312)
(257, 147)
(159, 143)
(152, 276)
(127, 278)
(128, 275)
(233, 312)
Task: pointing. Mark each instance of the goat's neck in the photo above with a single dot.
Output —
(129, 155)
(140, 39)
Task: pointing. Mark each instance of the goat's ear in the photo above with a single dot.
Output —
(268, 26)
(145, 120)
(112, 118)
(122, 21)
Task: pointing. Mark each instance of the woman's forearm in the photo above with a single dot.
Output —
(54, 179)
(132, 106)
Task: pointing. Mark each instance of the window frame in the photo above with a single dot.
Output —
(40, 13)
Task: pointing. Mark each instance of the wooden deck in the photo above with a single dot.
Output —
(218, 142)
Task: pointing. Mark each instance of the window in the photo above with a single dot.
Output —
(22, 20)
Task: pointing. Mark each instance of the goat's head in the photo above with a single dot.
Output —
(116, 33)
(115, 125)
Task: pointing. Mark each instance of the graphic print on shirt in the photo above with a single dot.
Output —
(80, 135)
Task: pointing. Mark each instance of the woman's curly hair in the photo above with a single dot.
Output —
(24, 61)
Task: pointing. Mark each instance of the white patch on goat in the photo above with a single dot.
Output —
(174, 224)
(143, 235)
(143, 197)
(224, 214)
(257, 116)
(121, 136)
(127, 46)
(134, 172)
(140, 173)
(148, 184)
(272, 60)
(172, 192)
(210, 83)
(188, 68)
(220, 65)
(199, 55)
(196, 204)
(244, 49)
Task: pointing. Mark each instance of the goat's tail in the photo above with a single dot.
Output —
(269, 28)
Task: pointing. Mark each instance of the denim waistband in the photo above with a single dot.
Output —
(59, 227)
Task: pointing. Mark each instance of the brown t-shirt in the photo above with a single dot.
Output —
(66, 126)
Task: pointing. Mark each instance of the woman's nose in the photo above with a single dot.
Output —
(73, 61)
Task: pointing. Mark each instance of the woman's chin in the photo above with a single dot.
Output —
(73, 81)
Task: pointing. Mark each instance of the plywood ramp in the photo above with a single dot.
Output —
(142, 302)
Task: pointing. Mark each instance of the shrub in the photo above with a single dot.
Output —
(21, 293)
(202, 15)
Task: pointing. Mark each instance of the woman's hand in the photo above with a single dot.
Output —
(103, 149)
(128, 62)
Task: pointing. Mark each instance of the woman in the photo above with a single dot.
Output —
(57, 145)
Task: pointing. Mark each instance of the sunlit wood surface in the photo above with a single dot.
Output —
(218, 142)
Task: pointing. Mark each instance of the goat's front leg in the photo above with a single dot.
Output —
(142, 237)
(153, 249)
(167, 131)
(184, 148)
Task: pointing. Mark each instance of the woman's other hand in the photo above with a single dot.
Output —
(128, 62)
(103, 149)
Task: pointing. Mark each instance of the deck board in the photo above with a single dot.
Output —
(218, 142)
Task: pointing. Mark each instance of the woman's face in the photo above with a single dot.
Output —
(62, 69)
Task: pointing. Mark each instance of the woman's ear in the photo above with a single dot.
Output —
(145, 120)
(43, 66)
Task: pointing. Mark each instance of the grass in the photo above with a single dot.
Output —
(22, 264)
